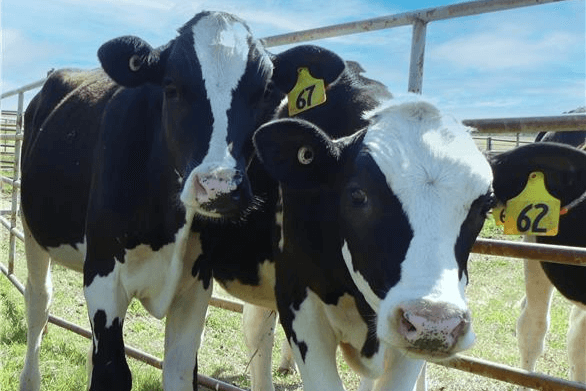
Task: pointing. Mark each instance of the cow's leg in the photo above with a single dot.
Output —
(367, 384)
(183, 335)
(577, 344)
(259, 330)
(534, 319)
(107, 303)
(314, 344)
(287, 363)
(401, 373)
(37, 298)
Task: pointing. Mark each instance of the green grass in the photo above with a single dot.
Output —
(495, 291)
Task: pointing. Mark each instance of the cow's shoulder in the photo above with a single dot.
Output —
(77, 86)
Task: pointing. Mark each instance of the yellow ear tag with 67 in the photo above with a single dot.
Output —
(534, 211)
(307, 93)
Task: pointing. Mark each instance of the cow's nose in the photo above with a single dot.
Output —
(210, 186)
(432, 327)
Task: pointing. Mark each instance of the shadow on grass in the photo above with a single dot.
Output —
(238, 379)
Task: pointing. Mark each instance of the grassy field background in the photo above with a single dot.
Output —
(495, 292)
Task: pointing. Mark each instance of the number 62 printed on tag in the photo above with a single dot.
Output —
(532, 212)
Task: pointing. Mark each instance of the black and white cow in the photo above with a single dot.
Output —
(377, 230)
(565, 176)
(239, 263)
(123, 169)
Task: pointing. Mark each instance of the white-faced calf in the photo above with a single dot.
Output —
(377, 230)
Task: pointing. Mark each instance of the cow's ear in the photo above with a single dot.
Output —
(563, 166)
(297, 153)
(130, 61)
(322, 64)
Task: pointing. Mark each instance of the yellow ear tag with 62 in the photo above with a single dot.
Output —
(307, 93)
(534, 211)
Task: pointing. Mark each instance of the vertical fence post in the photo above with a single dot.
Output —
(15, 177)
(417, 56)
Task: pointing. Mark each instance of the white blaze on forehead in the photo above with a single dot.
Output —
(222, 50)
(436, 171)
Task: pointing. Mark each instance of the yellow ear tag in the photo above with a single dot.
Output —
(534, 211)
(307, 93)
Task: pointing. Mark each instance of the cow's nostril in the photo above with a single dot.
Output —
(408, 326)
(460, 329)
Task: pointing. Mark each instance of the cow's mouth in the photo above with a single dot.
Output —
(225, 206)
(429, 355)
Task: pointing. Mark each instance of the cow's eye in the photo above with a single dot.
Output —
(305, 155)
(358, 197)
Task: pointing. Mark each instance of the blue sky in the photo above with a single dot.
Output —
(523, 62)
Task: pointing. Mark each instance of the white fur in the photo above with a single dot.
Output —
(322, 328)
(37, 296)
(223, 55)
(259, 331)
(161, 279)
(434, 168)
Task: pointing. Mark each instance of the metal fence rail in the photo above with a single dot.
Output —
(419, 20)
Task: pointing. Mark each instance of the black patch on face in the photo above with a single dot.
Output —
(187, 115)
(374, 225)
(110, 370)
(470, 229)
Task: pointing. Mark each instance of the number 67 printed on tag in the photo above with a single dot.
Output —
(307, 93)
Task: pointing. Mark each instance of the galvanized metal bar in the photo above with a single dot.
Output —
(9, 181)
(229, 305)
(12, 278)
(15, 176)
(10, 136)
(22, 89)
(542, 252)
(417, 56)
(566, 122)
(511, 375)
(13, 231)
(403, 19)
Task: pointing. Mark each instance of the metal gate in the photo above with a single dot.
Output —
(419, 20)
